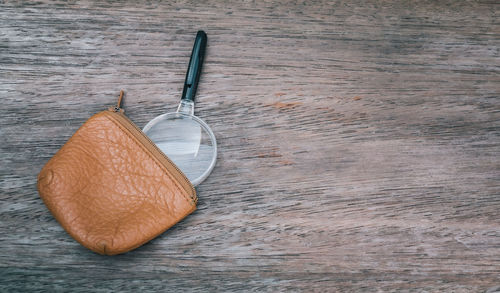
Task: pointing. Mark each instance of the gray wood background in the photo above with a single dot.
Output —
(359, 142)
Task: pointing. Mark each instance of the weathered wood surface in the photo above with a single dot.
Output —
(359, 142)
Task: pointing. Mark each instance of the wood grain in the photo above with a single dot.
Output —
(359, 142)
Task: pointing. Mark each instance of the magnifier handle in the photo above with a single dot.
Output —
(194, 69)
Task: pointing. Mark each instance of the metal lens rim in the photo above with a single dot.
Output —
(165, 117)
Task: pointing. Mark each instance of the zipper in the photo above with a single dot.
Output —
(116, 113)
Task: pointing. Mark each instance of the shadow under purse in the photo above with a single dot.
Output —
(111, 188)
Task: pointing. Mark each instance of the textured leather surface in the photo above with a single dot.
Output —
(108, 192)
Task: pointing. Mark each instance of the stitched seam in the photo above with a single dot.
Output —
(151, 157)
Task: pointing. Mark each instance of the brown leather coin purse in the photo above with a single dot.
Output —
(111, 188)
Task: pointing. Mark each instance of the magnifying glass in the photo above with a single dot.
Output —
(184, 138)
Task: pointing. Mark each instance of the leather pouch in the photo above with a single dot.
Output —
(111, 188)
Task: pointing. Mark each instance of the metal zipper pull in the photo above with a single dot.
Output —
(117, 108)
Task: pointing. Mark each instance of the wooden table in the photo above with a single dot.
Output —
(359, 142)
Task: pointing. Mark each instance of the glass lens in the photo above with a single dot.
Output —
(187, 141)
